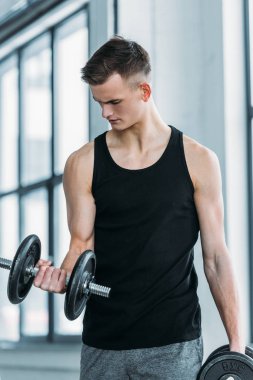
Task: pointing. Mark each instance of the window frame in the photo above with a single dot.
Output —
(48, 184)
(249, 120)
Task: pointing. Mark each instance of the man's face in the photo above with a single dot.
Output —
(121, 101)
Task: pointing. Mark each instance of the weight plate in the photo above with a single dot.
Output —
(249, 352)
(212, 355)
(77, 293)
(225, 348)
(226, 365)
(27, 256)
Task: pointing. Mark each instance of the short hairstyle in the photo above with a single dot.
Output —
(117, 55)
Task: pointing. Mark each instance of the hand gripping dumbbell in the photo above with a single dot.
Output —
(224, 364)
(80, 285)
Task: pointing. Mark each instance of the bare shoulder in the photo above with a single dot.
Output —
(79, 166)
(202, 162)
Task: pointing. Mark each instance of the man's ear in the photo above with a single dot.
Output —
(145, 91)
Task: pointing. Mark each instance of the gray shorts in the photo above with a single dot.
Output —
(179, 361)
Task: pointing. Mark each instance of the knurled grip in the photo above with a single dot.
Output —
(99, 290)
(5, 263)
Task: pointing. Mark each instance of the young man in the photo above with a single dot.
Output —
(138, 196)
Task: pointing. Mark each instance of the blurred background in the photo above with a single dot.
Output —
(202, 77)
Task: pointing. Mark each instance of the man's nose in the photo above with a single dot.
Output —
(106, 110)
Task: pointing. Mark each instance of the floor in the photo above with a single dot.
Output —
(38, 362)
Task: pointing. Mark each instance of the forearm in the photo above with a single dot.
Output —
(77, 247)
(222, 282)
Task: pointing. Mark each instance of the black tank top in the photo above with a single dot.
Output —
(146, 226)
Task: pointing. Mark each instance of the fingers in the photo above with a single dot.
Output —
(40, 275)
(51, 279)
(43, 262)
(42, 265)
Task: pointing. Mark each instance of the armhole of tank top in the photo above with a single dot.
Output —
(185, 163)
(94, 174)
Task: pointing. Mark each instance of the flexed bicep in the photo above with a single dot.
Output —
(80, 203)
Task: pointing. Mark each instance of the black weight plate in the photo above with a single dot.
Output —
(27, 255)
(212, 355)
(225, 348)
(249, 352)
(223, 365)
(83, 272)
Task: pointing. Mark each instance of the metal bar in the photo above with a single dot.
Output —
(99, 290)
(5, 263)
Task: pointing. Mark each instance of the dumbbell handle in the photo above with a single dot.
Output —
(5, 263)
(97, 289)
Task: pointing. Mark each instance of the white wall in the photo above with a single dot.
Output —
(236, 146)
(185, 41)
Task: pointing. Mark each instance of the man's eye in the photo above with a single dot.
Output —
(115, 102)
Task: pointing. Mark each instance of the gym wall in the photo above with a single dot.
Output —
(198, 77)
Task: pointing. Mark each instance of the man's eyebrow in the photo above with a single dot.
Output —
(109, 101)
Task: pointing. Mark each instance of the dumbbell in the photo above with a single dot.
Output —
(224, 364)
(80, 285)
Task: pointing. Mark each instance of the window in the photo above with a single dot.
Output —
(71, 108)
(34, 208)
(9, 125)
(42, 100)
(36, 111)
(9, 314)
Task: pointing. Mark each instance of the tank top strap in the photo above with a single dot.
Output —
(176, 137)
(100, 148)
(174, 151)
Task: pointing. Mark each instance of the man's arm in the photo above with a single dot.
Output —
(217, 262)
(77, 180)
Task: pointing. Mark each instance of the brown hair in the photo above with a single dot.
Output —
(117, 55)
